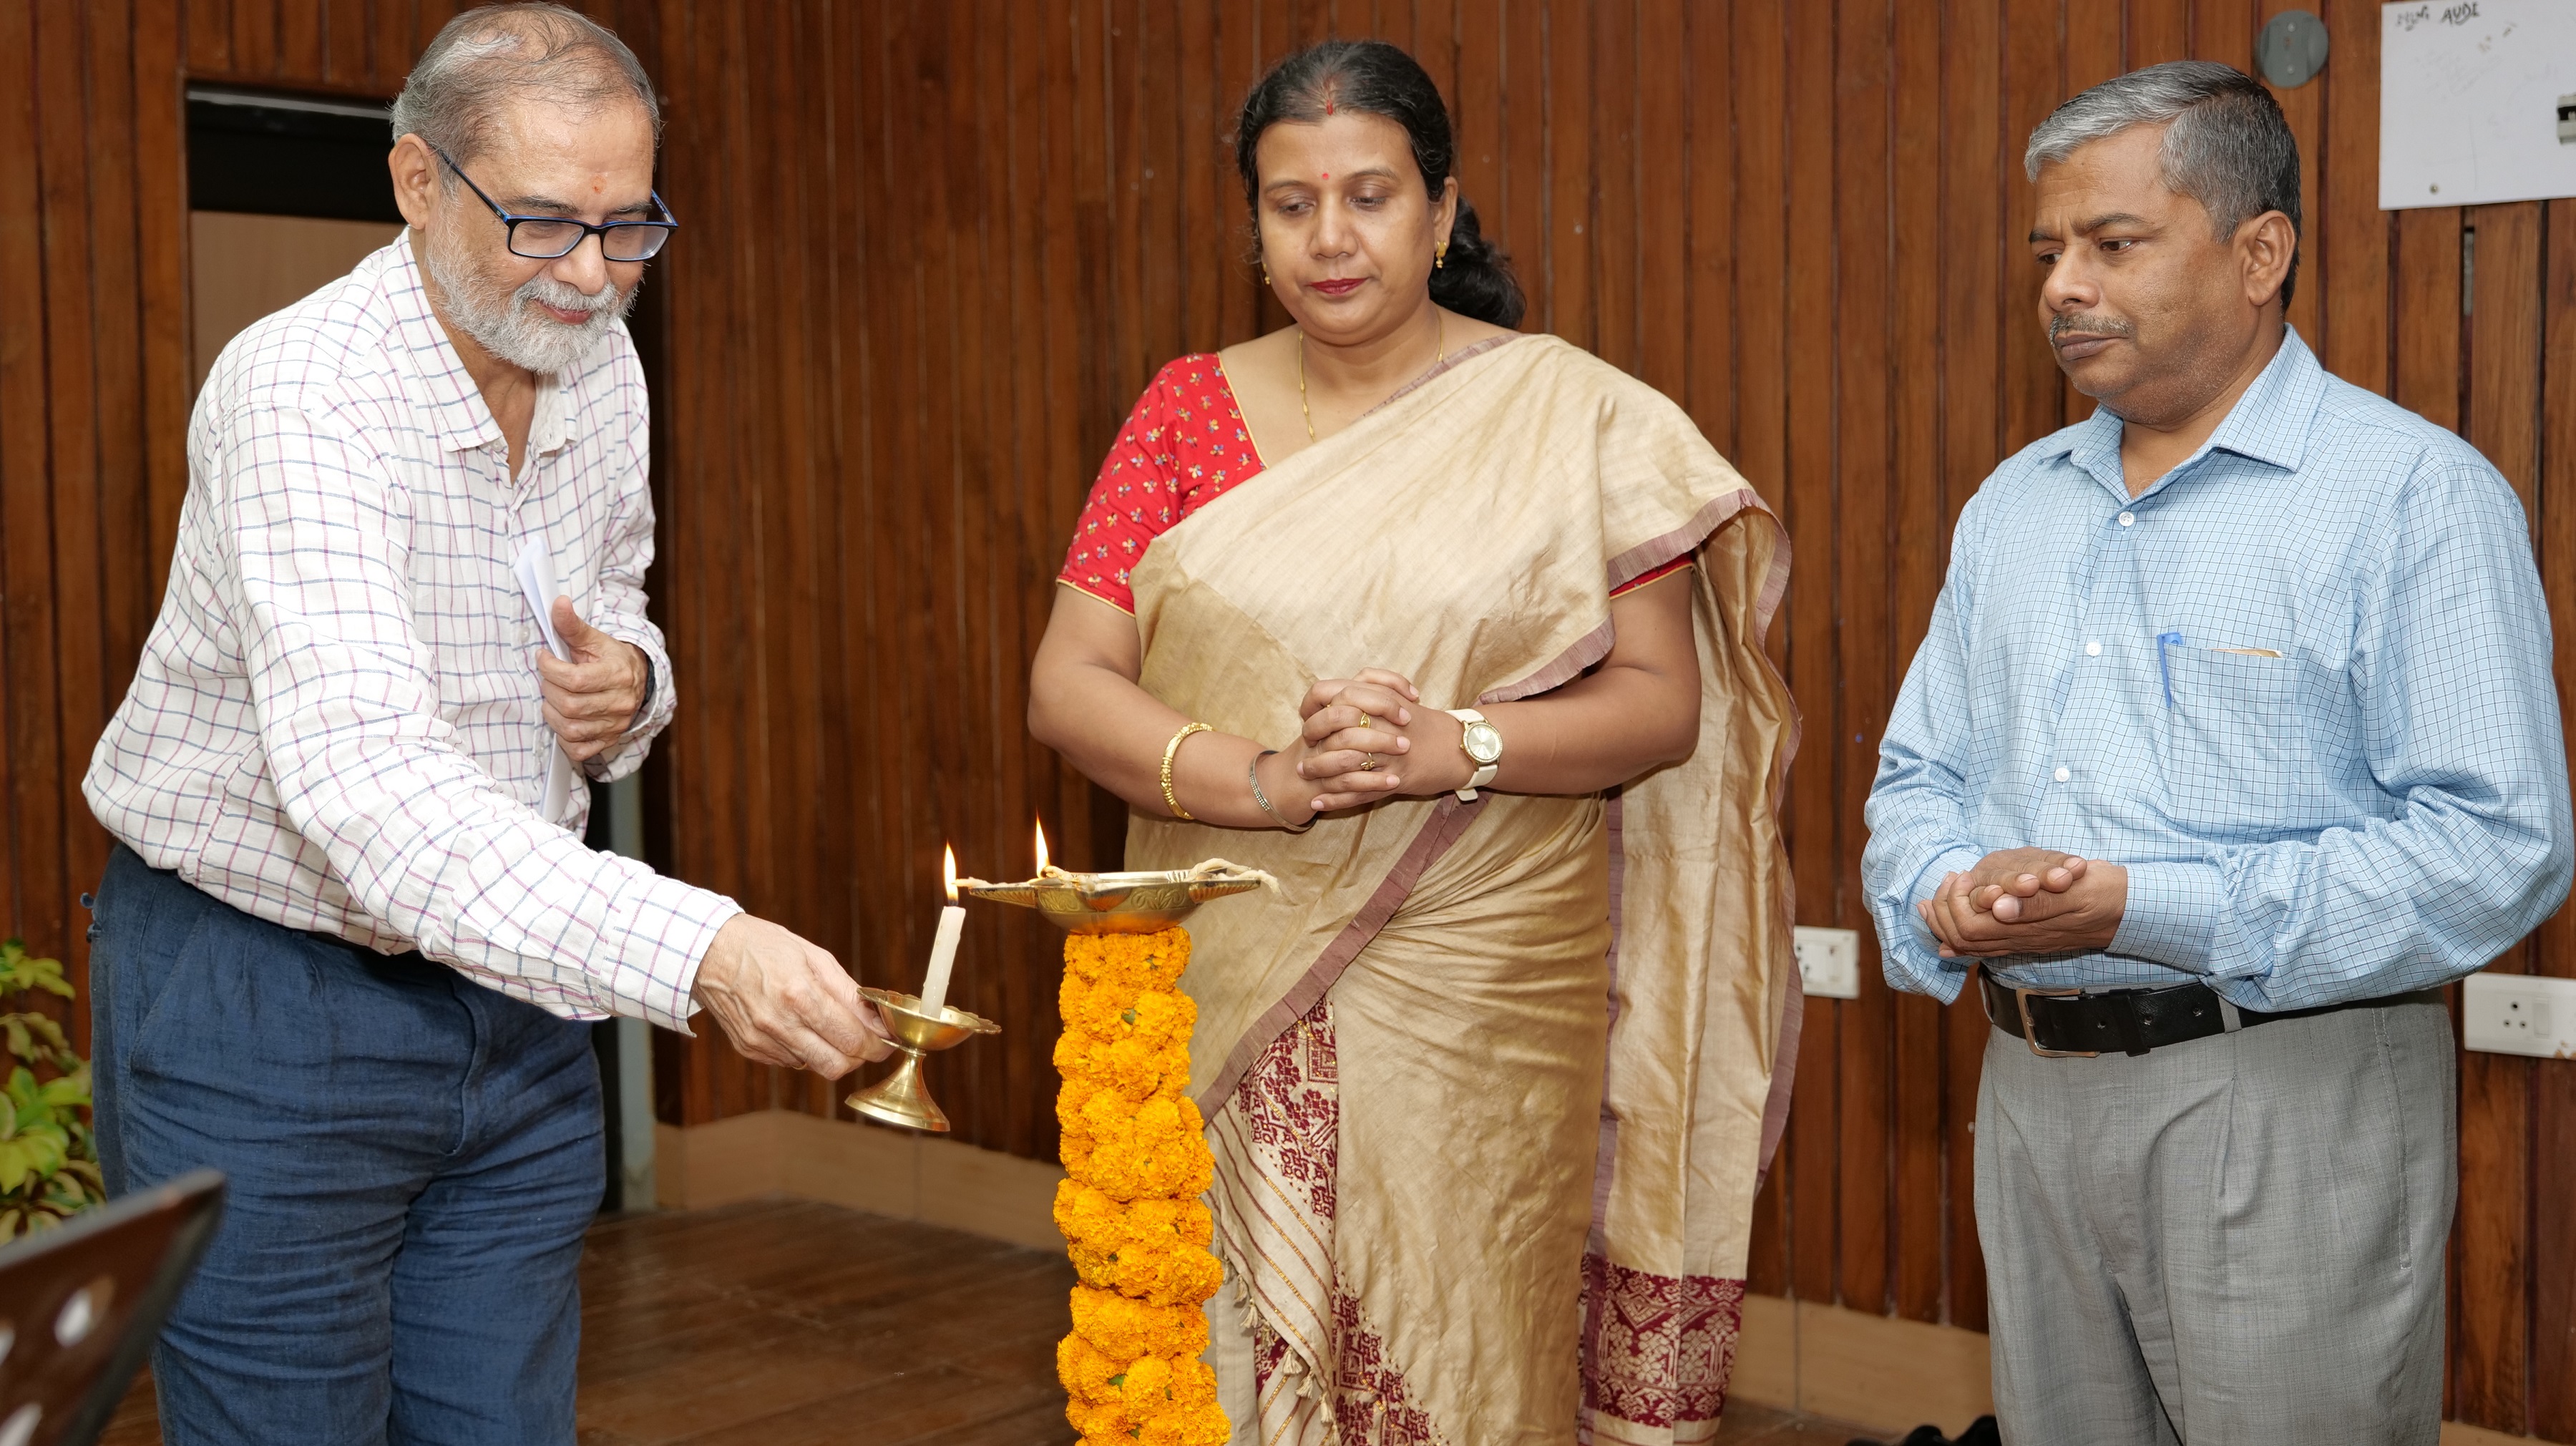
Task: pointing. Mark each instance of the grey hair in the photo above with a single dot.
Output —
(2227, 145)
(495, 54)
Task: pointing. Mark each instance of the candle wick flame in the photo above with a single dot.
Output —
(948, 870)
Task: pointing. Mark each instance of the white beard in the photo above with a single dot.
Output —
(509, 325)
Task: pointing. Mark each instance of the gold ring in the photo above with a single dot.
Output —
(1368, 763)
(1367, 722)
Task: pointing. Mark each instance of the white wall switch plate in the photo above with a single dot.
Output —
(1829, 962)
(2519, 1014)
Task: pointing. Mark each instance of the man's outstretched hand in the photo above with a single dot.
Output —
(2027, 901)
(783, 1001)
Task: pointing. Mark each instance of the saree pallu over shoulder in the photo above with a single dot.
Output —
(1469, 533)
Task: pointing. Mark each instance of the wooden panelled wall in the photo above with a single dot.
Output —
(930, 253)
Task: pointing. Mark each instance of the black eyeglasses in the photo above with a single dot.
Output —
(543, 238)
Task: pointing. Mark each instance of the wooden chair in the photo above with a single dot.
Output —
(80, 1305)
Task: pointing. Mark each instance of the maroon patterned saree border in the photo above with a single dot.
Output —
(1448, 823)
(1657, 1349)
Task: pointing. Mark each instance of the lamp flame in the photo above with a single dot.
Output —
(1042, 848)
(948, 870)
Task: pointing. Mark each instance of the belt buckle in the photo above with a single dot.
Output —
(2030, 1031)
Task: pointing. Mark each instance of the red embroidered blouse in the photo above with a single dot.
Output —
(1182, 447)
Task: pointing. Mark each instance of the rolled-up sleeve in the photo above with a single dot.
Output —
(348, 714)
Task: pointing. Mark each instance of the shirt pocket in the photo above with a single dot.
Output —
(2239, 744)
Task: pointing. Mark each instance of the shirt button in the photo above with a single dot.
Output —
(2128, 519)
(2063, 775)
(2092, 650)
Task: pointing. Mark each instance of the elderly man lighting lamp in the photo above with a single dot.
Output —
(341, 952)
(2232, 737)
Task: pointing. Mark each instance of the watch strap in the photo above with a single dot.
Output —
(1485, 772)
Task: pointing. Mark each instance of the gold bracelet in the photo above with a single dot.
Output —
(1168, 750)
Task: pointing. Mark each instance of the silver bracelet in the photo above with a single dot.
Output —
(1252, 772)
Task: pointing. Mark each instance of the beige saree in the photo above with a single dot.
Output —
(1486, 1083)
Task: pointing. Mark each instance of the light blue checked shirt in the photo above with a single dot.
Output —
(2380, 808)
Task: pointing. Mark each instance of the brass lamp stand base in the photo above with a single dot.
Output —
(901, 1098)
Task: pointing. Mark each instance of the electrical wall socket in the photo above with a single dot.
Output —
(1829, 962)
(2519, 1014)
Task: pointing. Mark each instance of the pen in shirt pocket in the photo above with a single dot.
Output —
(2174, 640)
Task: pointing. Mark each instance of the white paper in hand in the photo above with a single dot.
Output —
(536, 570)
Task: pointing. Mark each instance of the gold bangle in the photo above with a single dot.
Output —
(1168, 750)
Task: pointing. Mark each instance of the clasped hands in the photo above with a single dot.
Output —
(1365, 739)
(2027, 901)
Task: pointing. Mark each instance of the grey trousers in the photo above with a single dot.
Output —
(2237, 1240)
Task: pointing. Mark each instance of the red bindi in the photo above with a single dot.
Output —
(1328, 175)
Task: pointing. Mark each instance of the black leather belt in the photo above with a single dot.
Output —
(2075, 1023)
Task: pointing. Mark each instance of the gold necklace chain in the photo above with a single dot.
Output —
(1439, 346)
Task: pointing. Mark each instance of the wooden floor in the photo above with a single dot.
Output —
(782, 1323)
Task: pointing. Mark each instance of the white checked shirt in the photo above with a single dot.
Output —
(336, 722)
(2300, 687)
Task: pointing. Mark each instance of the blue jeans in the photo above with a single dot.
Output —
(411, 1162)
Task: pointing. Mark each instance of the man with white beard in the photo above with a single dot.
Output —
(346, 937)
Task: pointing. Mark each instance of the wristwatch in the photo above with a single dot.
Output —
(1483, 744)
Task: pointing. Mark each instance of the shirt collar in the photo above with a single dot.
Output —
(439, 381)
(2269, 424)
(441, 384)
(546, 429)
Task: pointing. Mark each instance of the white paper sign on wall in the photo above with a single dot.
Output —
(2470, 94)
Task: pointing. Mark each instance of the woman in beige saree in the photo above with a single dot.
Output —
(1490, 1079)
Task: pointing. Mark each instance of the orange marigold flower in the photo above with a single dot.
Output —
(1164, 1018)
(1135, 1160)
(1146, 1387)
(1093, 1007)
(1187, 1221)
(1136, 961)
(1193, 1384)
(1088, 1376)
(1118, 1327)
(1192, 1426)
(1141, 1068)
(1107, 1423)
(1170, 1275)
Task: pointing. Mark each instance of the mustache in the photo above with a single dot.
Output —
(2089, 325)
(572, 298)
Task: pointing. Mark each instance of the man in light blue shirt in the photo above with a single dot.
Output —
(2233, 734)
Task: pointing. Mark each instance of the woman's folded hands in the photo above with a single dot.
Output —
(1369, 737)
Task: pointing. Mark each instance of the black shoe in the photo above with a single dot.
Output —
(1982, 1433)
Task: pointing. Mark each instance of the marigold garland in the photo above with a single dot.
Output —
(1135, 1165)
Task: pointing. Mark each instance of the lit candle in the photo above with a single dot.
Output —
(943, 947)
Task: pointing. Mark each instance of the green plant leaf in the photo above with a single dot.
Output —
(48, 1156)
(20, 971)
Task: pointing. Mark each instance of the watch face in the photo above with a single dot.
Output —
(1483, 743)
